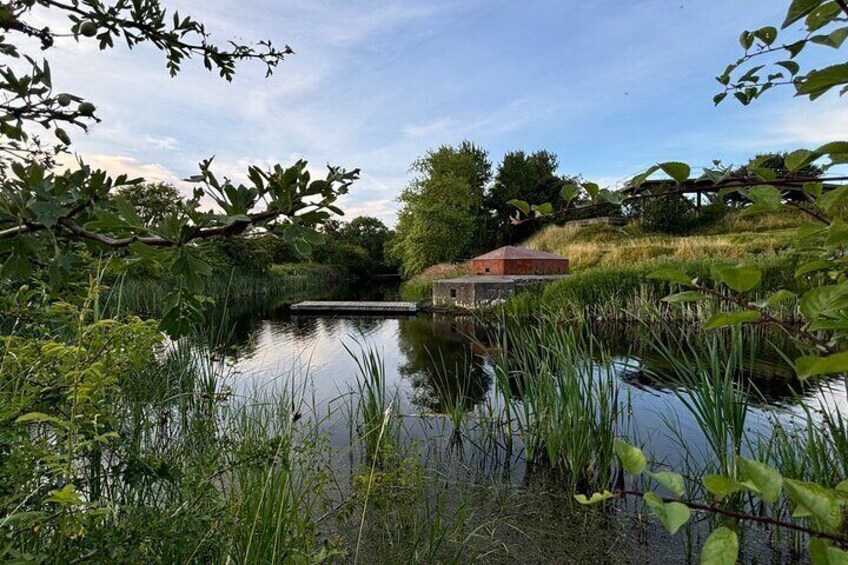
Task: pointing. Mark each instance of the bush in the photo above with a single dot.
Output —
(673, 215)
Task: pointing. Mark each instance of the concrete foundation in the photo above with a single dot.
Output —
(484, 291)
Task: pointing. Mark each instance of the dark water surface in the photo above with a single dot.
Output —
(431, 359)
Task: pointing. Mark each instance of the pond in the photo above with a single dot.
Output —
(432, 359)
(435, 365)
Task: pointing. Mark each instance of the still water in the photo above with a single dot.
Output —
(429, 359)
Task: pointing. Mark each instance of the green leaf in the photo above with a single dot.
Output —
(814, 189)
(799, 9)
(822, 552)
(818, 82)
(632, 458)
(834, 147)
(724, 319)
(642, 177)
(595, 499)
(543, 209)
(671, 274)
(746, 40)
(799, 158)
(767, 34)
(686, 296)
(720, 486)
(824, 299)
(35, 417)
(569, 192)
(592, 189)
(16, 267)
(128, 211)
(834, 39)
(720, 548)
(676, 170)
(671, 481)
(812, 366)
(822, 16)
(766, 480)
(833, 198)
(521, 205)
(775, 298)
(765, 195)
(673, 515)
(816, 501)
(790, 66)
(47, 212)
(67, 496)
(717, 99)
(740, 278)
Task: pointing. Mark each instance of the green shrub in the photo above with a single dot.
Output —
(673, 215)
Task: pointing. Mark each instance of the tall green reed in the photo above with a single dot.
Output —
(562, 397)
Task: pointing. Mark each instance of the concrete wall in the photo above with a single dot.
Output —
(472, 294)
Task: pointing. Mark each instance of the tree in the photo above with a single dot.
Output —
(369, 234)
(442, 216)
(522, 176)
(52, 222)
(153, 201)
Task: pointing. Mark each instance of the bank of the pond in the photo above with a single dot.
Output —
(281, 283)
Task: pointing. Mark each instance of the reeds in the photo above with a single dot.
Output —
(561, 395)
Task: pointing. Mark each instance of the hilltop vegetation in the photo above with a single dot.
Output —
(602, 250)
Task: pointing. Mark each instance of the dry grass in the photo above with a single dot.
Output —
(606, 246)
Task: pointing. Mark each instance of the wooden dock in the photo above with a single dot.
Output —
(376, 307)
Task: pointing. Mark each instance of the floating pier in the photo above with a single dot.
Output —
(331, 306)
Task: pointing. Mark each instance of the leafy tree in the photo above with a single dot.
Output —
(521, 176)
(53, 223)
(442, 216)
(369, 234)
(153, 201)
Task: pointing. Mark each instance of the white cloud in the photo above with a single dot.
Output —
(167, 143)
(428, 129)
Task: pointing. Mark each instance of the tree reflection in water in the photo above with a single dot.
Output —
(441, 364)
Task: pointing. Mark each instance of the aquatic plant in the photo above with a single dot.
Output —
(561, 395)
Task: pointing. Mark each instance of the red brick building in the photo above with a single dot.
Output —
(519, 261)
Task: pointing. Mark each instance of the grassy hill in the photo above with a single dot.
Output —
(628, 253)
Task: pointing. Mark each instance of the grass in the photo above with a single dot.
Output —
(281, 283)
(561, 394)
(608, 246)
(609, 250)
(708, 373)
(614, 292)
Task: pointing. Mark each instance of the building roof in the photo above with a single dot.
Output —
(510, 252)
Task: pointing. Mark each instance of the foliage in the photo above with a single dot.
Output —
(53, 225)
(823, 507)
(358, 248)
(29, 100)
(673, 215)
(521, 176)
(154, 202)
(370, 234)
(768, 62)
(441, 208)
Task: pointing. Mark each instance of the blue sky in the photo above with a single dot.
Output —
(611, 86)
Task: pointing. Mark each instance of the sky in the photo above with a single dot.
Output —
(610, 86)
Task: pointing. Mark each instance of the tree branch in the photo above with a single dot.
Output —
(838, 538)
